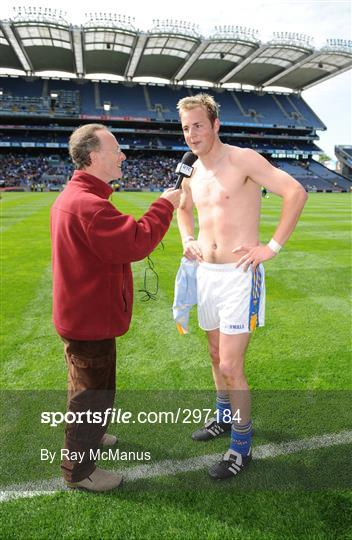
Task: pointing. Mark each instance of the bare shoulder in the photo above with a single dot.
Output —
(251, 163)
(242, 155)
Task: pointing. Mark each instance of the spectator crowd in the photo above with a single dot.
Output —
(140, 171)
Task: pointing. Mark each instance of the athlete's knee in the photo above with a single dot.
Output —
(232, 369)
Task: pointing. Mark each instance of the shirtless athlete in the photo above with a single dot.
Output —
(225, 188)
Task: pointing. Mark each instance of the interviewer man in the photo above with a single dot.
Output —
(93, 245)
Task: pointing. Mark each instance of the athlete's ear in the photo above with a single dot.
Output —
(216, 125)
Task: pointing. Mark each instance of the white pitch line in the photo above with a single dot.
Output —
(171, 467)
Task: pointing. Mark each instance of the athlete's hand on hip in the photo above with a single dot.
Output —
(254, 255)
(173, 196)
(192, 251)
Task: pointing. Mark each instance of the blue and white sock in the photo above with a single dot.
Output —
(241, 438)
(223, 406)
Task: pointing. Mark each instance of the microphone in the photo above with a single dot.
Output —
(185, 169)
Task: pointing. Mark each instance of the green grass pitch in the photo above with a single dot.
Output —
(298, 365)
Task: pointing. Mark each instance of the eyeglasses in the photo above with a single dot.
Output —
(118, 153)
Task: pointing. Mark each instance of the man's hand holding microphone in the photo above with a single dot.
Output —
(173, 196)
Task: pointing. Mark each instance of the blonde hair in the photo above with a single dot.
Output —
(200, 100)
(83, 141)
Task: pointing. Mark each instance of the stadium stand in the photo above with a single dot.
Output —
(332, 177)
(162, 100)
(39, 173)
(34, 98)
(34, 172)
(344, 156)
(124, 100)
(303, 173)
(142, 171)
(39, 112)
(151, 102)
(21, 170)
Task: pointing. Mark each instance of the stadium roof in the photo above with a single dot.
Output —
(41, 40)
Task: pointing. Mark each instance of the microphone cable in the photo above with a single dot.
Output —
(150, 274)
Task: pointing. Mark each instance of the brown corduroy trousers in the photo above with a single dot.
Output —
(91, 387)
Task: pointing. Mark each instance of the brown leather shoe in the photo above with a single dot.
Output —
(99, 480)
(108, 440)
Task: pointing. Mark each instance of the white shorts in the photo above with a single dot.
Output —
(229, 298)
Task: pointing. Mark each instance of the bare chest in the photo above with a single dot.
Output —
(220, 189)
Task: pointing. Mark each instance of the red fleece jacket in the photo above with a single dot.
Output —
(93, 245)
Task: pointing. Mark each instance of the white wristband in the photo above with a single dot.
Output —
(187, 239)
(274, 246)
